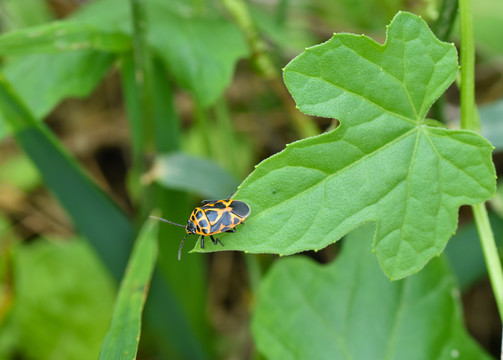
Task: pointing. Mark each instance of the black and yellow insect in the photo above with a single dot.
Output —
(213, 217)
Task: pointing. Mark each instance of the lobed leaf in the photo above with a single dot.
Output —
(350, 310)
(383, 164)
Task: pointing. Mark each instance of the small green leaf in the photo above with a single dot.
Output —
(201, 176)
(200, 51)
(62, 305)
(382, 164)
(121, 341)
(350, 310)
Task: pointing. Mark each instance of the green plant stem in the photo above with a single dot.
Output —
(446, 19)
(442, 29)
(254, 272)
(143, 123)
(228, 135)
(491, 254)
(304, 125)
(142, 66)
(203, 127)
(467, 56)
(470, 121)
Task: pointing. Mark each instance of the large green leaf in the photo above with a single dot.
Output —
(384, 163)
(350, 310)
(122, 339)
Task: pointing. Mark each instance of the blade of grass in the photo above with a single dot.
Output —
(470, 120)
(173, 299)
(105, 226)
(123, 336)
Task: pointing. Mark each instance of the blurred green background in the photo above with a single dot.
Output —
(126, 106)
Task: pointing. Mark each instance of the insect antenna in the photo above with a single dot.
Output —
(166, 221)
(181, 245)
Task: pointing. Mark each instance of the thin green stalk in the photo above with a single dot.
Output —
(491, 254)
(227, 134)
(467, 56)
(304, 125)
(143, 122)
(442, 29)
(470, 121)
(203, 127)
(254, 272)
(446, 18)
(142, 65)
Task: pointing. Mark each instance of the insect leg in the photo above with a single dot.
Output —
(180, 249)
(202, 242)
(216, 241)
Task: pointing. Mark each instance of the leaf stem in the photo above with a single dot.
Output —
(470, 121)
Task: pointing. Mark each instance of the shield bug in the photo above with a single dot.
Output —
(213, 217)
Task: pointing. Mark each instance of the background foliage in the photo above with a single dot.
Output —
(109, 109)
